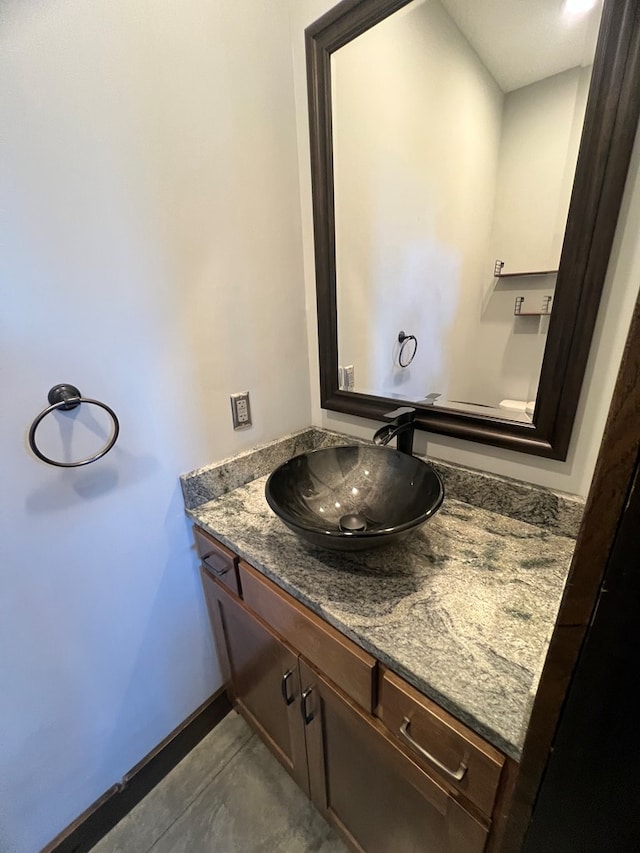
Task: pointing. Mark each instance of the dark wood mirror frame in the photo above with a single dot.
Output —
(609, 129)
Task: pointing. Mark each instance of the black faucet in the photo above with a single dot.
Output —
(401, 427)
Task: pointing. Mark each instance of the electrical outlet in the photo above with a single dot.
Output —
(241, 410)
(349, 378)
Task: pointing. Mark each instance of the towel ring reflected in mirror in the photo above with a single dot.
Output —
(408, 349)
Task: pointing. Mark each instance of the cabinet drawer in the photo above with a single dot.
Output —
(433, 737)
(220, 561)
(347, 665)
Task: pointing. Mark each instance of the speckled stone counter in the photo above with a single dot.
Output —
(463, 609)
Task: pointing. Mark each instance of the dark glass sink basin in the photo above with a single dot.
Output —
(354, 497)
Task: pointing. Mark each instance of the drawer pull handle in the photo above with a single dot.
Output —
(213, 568)
(285, 689)
(452, 774)
(306, 716)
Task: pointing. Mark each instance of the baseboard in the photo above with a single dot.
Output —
(96, 821)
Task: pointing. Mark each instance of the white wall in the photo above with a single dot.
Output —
(621, 290)
(416, 131)
(538, 152)
(152, 256)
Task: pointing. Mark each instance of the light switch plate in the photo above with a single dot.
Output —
(241, 410)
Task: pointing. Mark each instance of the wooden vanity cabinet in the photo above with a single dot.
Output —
(328, 711)
(262, 677)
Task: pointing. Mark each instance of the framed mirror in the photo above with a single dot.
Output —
(468, 164)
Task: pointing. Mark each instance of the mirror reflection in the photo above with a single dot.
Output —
(456, 127)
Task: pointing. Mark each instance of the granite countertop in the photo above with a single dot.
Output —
(463, 609)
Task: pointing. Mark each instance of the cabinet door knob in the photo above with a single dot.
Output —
(452, 774)
(306, 716)
(285, 688)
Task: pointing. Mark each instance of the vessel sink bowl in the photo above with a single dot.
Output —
(354, 497)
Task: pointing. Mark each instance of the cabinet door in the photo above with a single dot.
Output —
(362, 782)
(262, 677)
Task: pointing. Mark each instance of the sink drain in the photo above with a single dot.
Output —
(353, 522)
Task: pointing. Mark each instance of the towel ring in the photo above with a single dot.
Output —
(67, 397)
(403, 340)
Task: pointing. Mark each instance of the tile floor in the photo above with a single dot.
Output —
(229, 795)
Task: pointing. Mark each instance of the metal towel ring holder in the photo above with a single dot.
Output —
(66, 397)
(403, 340)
